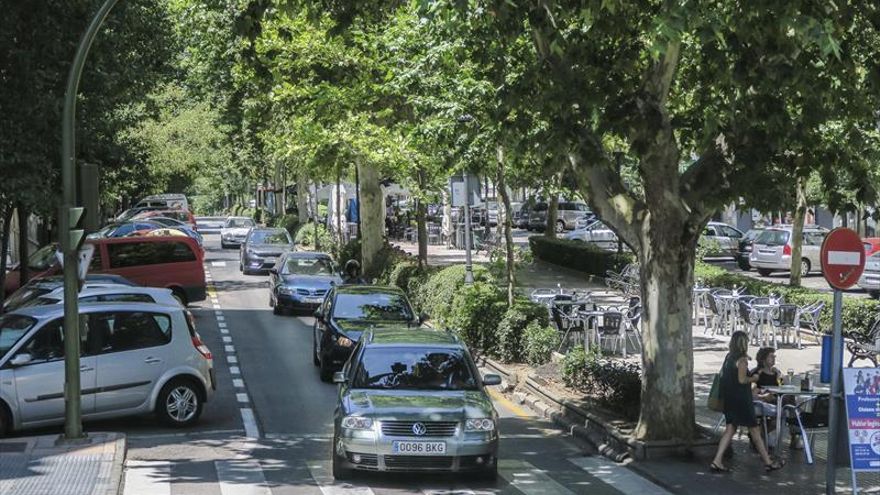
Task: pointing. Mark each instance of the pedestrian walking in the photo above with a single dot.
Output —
(739, 410)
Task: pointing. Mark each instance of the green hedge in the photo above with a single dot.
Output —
(474, 314)
(858, 313)
(435, 295)
(539, 342)
(289, 221)
(579, 256)
(305, 237)
(615, 384)
(511, 328)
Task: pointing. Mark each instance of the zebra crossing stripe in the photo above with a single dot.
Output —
(153, 477)
(320, 472)
(528, 479)
(617, 476)
(241, 477)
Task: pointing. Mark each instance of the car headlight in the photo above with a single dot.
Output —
(250, 252)
(285, 290)
(479, 424)
(357, 423)
(344, 341)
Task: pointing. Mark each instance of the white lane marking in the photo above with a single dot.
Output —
(224, 331)
(320, 472)
(221, 318)
(251, 430)
(528, 479)
(617, 476)
(233, 370)
(231, 359)
(153, 477)
(243, 398)
(229, 348)
(221, 324)
(218, 263)
(226, 339)
(238, 383)
(241, 477)
(216, 306)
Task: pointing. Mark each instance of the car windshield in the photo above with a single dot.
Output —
(308, 266)
(239, 223)
(269, 237)
(12, 328)
(177, 215)
(43, 258)
(414, 369)
(772, 238)
(375, 306)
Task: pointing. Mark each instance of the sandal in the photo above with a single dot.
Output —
(719, 469)
(777, 464)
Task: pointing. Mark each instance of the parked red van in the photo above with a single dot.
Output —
(174, 263)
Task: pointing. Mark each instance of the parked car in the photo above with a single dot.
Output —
(521, 216)
(346, 312)
(165, 201)
(597, 233)
(37, 287)
(210, 225)
(183, 215)
(585, 219)
(184, 227)
(131, 212)
(235, 230)
(136, 358)
(261, 249)
(724, 237)
(567, 214)
(870, 279)
(414, 401)
(301, 280)
(872, 245)
(771, 250)
(745, 248)
(122, 229)
(174, 263)
(110, 293)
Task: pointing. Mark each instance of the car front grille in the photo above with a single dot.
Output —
(418, 462)
(312, 292)
(432, 428)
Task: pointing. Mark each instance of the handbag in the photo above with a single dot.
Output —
(716, 402)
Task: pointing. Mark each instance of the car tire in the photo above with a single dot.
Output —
(223, 245)
(805, 267)
(489, 475)
(325, 373)
(339, 473)
(875, 294)
(315, 360)
(277, 310)
(5, 420)
(764, 272)
(560, 226)
(181, 391)
(180, 295)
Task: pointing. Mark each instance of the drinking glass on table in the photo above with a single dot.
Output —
(790, 373)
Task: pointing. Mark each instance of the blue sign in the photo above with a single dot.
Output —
(862, 389)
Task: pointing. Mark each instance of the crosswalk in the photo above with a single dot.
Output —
(591, 475)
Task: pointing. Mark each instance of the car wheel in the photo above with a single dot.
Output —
(177, 293)
(743, 265)
(560, 226)
(340, 473)
(223, 245)
(315, 359)
(5, 420)
(489, 475)
(764, 272)
(241, 267)
(325, 373)
(805, 267)
(276, 310)
(875, 294)
(179, 403)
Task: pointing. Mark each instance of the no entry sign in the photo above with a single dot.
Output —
(843, 258)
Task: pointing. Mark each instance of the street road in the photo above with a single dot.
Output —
(267, 431)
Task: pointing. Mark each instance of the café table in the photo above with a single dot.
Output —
(795, 391)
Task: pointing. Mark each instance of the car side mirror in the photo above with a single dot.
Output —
(491, 380)
(318, 314)
(339, 377)
(273, 271)
(21, 359)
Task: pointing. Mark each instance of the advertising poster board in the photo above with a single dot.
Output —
(862, 391)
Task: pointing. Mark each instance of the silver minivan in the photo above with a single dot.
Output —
(567, 214)
(870, 279)
(771, 251)
(136, 358)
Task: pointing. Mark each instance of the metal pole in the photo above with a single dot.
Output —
(468, 266)
(72, 406)
(836, 395)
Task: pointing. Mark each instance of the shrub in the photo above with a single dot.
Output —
(350, 251)
(857, 316)
(615, 384)
(539, 342)
(434, 296)
(289, 221)
(513, 323)
(474, 315)
(305, 237)
(579, 256)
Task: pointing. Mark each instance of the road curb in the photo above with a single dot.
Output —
(115, 484)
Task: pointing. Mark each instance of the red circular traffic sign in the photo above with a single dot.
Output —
(843, 258)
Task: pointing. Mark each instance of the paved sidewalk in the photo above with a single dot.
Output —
(37, 466)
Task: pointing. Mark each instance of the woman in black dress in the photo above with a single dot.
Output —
(736, 390)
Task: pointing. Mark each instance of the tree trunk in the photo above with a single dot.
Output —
(340, 237)
(666, 274)
(510, 262)
(302, 198)
(23, 270)
(4, 249)
(552, 208)
(422, 229)
(447, 218)
(797, 232)
(373, 213)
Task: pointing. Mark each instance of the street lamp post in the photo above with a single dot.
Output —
(468, 263)
(70, 236)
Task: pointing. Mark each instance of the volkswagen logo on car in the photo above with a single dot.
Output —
(419, 429)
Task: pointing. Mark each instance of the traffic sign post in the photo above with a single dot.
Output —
(843, 260)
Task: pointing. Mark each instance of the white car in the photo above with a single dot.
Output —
(235, 230)
(596, 233)
(111, 293)
(870, 279)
